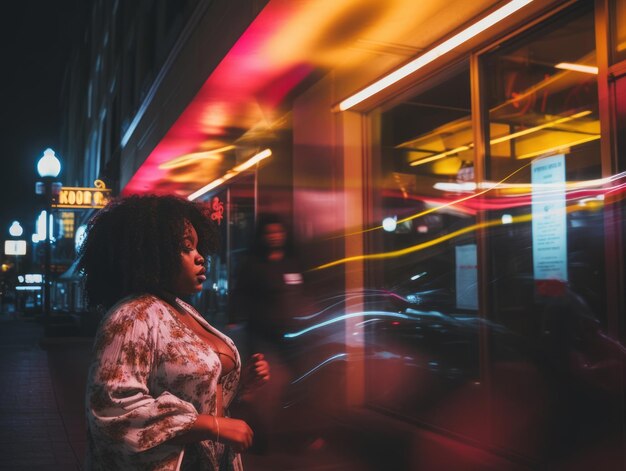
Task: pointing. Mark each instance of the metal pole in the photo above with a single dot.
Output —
(47, 248)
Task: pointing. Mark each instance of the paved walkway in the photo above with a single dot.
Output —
(41, 408)
(41, 423)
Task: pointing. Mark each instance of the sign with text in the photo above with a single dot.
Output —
(549, 224)
(83, 198)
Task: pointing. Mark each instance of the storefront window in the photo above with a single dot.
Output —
(546, 240)
(618, 30)
(213, 299)
(426, 229)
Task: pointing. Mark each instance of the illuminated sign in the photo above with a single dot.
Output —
(83, 198)
(218, 210)
(30, 278)
(15, 247)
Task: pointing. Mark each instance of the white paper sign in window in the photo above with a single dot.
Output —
(466, 277)
(549, 218)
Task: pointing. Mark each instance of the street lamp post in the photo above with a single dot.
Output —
(48, 168)
(15, 231)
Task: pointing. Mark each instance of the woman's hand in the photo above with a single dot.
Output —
(256, 373)
(233, 432)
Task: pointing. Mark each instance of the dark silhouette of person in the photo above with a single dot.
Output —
(269, 293)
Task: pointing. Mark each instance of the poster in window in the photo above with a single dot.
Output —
(549, 223)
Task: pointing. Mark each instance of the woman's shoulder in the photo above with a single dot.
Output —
(142, 307)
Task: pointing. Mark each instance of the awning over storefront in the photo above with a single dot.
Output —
(290, 43)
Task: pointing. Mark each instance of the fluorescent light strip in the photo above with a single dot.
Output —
(231, 173)
(434, 53)
(189, 158)
(586, 69)
(252, 161)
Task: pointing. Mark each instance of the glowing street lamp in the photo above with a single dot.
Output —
(48, 168)
(16, 229)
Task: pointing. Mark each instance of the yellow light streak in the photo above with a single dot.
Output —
(252, 161)
(442, 155)
(424, 245)
(231, 173)
(434, 53)
(190, 158)
(452, 203)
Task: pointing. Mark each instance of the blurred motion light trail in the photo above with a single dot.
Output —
(446, 205)
(452, 235)
(315, 368)
(344, 317)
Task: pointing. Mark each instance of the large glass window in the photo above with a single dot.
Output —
(546, 240)
(424, 229)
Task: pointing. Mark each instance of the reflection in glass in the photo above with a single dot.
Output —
(430, 268)
(546, 280)
(617, 17)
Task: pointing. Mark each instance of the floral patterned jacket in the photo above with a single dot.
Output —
(150, 378)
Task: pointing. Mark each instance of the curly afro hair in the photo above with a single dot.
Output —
(134, 245)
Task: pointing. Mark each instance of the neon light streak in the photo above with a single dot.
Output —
(452, 203)
(315, 314)
(434, 53)
(369, 321)
(253, 161)
(231, 173)
(343, 318)
(415, 248)
(314, 369)
(190, 158)
(456, 150)
(439, 240)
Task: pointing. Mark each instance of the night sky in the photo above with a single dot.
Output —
(36, 39)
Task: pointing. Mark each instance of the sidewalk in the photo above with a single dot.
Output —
(41, 418)
(41, 408)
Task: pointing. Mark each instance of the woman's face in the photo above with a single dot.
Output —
(192, 271)
(274, 236)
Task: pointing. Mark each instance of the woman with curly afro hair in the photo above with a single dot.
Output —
(162, 377)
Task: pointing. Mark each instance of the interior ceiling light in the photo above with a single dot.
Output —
(507, 137)
(554, 149)
(434, 53)
(549, 124)
(456, 150)
(255, 159)
(189, 158)
(586, 69)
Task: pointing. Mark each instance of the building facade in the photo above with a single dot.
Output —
(453, 172)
